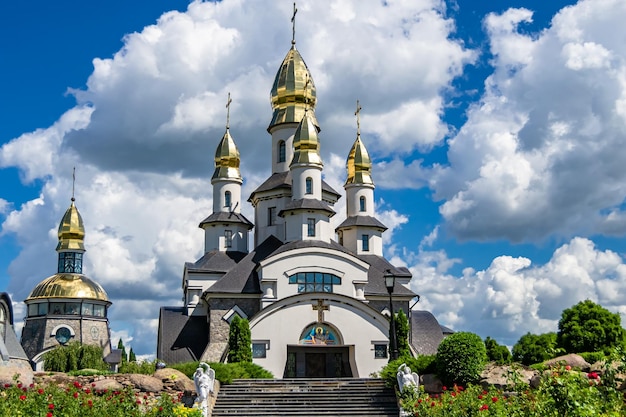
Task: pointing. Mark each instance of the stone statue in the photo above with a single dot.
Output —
(406, 378)
(203, 378)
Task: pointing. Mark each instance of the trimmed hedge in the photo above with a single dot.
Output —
(461, 358)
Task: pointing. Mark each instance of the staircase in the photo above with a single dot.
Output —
(306, 397)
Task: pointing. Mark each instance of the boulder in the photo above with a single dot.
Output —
(107, 384)
(176, 379)
(502, 376)
(7, 373)
(431, 383)
(572, 359)
(146, 383)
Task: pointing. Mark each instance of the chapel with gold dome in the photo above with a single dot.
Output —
(67, 306)
(317, 297)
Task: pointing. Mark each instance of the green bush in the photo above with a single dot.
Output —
(142, 367)
(593, 357)
(461, 358)
(531, 348)
(425, 364)
(389, 372)
(402, 334)
(239, 341)
(497, 353)
(74, 356)
(226, 372)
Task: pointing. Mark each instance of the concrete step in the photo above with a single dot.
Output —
(297, 397)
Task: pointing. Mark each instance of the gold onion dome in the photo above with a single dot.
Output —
(359, 164)
(289, 96)
(64, 285)
(227, 159)
(306, 144)
(71, 230)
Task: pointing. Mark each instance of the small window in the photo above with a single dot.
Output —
(33, 310)
(271, 216)
(380, 351)
(309, 185)
(57, 308)
(314, 281)
(365, 239)
(228, 238)
(259, 349)
(227, 199)
(281, 151)
(98, 310)
(310, 227)
(87, 309)
(43, 309)
(362, 203)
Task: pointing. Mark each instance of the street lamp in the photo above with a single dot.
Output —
(390, 281)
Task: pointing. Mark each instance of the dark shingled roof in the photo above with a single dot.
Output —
(307, 204)
(376, 276)
(216, 261)
(299, 244)
(224, 217)
(181, 338)
(283, 180)
(362, 221)
(426, 332)
(12, 345)
(243, 278)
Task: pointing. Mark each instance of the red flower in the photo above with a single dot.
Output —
(494, 399)
(444, 388)
(40, 391)
(49, 414)
(568, 368)
(76, 384)
(480, 397)
(22, 397)
(19, 385)
(87, 391)
(50, 406)
(75, 394)
(453, 393)
(160, 408)
(90, 403)
(7, 385)
(593, 375)
(138, 401)
(484, 407)
(432, 404)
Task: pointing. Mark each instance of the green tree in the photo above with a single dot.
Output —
(73, 357)
(497, 353)
(239, 341)
(131, 356)
(589, 327)
(402, 334)
(461, 358)
(532, 348)
(120, 346)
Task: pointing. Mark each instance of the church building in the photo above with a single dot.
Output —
(67, 306)
(315, 297)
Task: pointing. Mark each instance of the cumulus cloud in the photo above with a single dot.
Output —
(512, 296)
(143, 133)
(542, 152)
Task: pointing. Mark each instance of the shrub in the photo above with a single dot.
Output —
(461, 358)
(389, 372)
(142, 367)
(593, 357)
(497, 353)
(226, 372)
(532, 348)
(74, 356)
(402, 334)
(239, 341)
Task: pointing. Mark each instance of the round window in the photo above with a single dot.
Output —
(63, 335)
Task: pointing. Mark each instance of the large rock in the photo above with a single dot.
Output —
(176, 379)
(7, 374)
(572, 359)
(107, 384)
(146, 383)
(505, 376)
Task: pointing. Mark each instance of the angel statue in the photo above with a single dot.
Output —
(407, 378)
(203, 378)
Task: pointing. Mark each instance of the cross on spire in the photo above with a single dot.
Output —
(228, 111)
(293, 24)
(357, 113)
(320, 307)
(73, 182)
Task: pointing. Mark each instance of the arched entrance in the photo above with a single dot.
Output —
(320, 353)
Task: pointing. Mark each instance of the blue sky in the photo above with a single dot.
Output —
(496, 130)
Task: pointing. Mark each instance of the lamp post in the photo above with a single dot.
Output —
(390, 280)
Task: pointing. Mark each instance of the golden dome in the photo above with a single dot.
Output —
(306, 145)
(71, 230)
(227, 159)
(359, 164)
(289, 97)
(76, 286)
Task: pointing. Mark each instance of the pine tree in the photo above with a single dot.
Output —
(402, 334)
(131, 356)
(120, 346)
(239, 341)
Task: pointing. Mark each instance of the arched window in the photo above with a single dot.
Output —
(314, 281)
(227, 199)
(281, 151)
(309, 185)
(362, 203)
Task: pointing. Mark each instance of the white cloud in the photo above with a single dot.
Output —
(512, 296)
(542, 152)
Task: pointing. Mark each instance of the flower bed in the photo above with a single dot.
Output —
(561, 392)
(78, 400)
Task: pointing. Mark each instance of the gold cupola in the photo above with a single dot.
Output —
(293, 91)
(227, 159)
(358, 164)
(65, 285)
(306, 144)
(71, 230)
